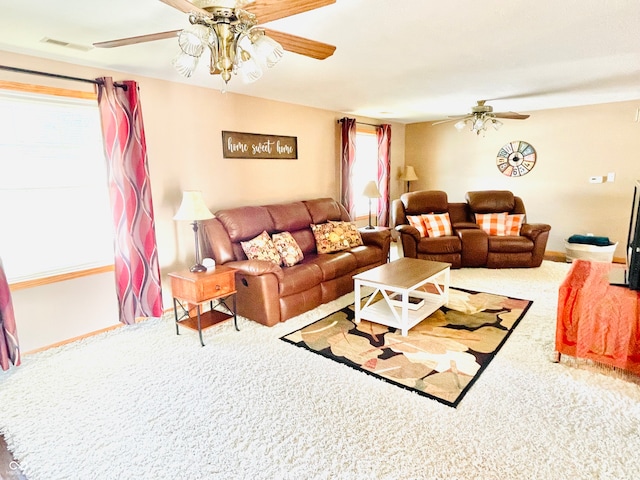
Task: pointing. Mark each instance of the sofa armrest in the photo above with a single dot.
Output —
(378, 238)
(256, 268)
(532, 230)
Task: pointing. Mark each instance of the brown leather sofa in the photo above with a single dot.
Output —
(469, 245)
(267, 293)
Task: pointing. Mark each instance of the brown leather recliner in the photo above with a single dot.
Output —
(524, 250)
(469, 246)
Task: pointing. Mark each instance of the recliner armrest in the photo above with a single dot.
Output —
(409, 230)
(532, 230)
(257, 267)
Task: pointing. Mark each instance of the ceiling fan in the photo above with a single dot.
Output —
(480, 117)
(229, 28)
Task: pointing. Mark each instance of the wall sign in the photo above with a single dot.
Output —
(254, 145)
(516, 159)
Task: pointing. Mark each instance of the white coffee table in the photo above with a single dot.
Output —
(402, 278)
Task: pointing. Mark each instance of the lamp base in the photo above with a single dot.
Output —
(198, 268)
(369, 227)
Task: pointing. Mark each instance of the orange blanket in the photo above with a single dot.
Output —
(598, 321)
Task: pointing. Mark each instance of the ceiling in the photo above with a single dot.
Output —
(400, 60)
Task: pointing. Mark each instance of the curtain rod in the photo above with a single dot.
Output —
(55, 75)
(363, 123)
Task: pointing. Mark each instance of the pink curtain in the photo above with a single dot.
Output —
(348, 159)
(383, 134)
(9, 348)
(136, 258)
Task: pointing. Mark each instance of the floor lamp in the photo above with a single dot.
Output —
(409, 175)
(371, 191)
(194, 209)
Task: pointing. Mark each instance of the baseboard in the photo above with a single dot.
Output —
(562, 257)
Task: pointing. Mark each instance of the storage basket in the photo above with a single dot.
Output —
(594, 253)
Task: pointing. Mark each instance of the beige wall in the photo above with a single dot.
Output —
(572, 145)
(183, 127)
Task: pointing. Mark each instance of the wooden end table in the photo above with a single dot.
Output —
(404, 278)
(215, 286)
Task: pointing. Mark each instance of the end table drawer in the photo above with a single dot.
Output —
(221, 285)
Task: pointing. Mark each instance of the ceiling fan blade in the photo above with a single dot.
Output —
(139, 39)
(511, 115)
(300, 45)
(270, 10)
(186, 7)
(451, 119)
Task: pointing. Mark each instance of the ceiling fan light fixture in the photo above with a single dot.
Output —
(193, 40)
(266, 48)
(249, 69)
(496, 124)
(185, 64)
(460, 125)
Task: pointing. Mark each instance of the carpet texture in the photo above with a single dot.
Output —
(440, 357)
(141, 402)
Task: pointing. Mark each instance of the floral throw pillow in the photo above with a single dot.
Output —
(329, 237)
(438, 224)
(351, 233)
(492, 223)
(514, 224)
(261, 248)
(288, 248)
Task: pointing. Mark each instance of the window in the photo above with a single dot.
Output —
(365, 170)
(55, 212)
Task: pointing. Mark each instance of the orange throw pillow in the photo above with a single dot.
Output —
(492, 223)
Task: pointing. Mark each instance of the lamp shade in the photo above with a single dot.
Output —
(371, 190)
(193, 207)
(409, 174)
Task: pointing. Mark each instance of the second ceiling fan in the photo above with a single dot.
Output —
(481, 117)
(229, 30)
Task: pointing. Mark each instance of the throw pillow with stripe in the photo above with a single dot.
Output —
(438, 224)
(492, 223)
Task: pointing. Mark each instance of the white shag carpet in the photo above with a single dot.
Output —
(140, 402)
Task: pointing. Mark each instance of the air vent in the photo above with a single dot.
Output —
(62, 43)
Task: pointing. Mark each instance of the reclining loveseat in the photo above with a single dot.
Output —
(315, 268)
(488, 230)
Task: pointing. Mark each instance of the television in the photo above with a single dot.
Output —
(633, 241)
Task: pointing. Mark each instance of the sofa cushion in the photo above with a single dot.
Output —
(514, 224)
(439, 245)
(261, 248)
(299, 278)
(492, 223)
(438, 224)
(510, 244)
(244, 223)
(491, 201)
(325, 209)
(366, 255)
(334, 265)
(329, 237)
(288, 248)
(289, 217)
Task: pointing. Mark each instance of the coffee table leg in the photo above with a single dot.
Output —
(356, 292)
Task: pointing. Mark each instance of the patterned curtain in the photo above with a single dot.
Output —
(383, 134)
(9, 348)
(348, 159)
(136, 258)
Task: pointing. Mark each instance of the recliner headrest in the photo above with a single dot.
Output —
(491, 201)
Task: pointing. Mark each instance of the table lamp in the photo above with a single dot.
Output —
(194, 209)
(371, 191)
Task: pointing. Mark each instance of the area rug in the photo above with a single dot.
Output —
(440, 358)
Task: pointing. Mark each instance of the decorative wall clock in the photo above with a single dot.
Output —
(516, 159)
